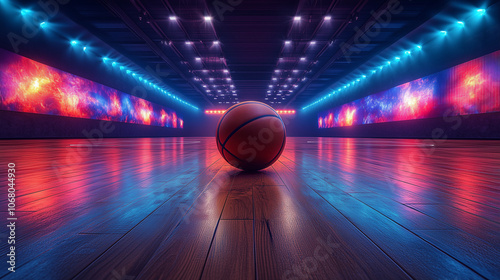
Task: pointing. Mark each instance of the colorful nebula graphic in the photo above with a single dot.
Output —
(32, 87)
(469, 88)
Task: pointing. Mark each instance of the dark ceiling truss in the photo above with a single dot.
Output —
(343, 61)
(204, 57)
(251, 43)
(295, 64)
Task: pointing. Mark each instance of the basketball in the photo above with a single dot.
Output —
(251, 136)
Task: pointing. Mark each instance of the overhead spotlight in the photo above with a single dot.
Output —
(198, 58)
(274, 79)
(225, 71)
(288, 42)
(297, 18)
(207, 18)
(74, 42)
(364, 76)
(481, 11)
(397, 58)
(407, 52)
(25, 12)
(461, 23)
(313, 43)
(443, 32)
(84, 49)
(216, 42)
(388, 62)
(105, 59)
(419, 47)
(277, 70)
(374, 71)
(328, 17)
(189, 42)
(172, 18)
(295, 71)
(43, 24)
(302, 58)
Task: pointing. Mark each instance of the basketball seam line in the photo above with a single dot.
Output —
(242, 125)
(223, 145)
(244, 103)
(279, 152)
(218, 126)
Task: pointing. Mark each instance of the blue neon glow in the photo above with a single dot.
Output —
(397, 58)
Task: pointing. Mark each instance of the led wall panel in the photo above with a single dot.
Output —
(469, 88)
(32, 87)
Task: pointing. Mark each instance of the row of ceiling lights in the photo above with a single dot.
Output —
(386, 64)
(216, 83)
(145, 79)
(283, 81)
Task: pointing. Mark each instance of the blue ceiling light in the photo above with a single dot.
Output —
(407, 52)
(461, 23)
(25, 12)
(481, 11)
(443, 32)
(364, 76)
(74, 43)
(43, 24)
(105, 59)
(374, 71)
(85, 49)
(388, 63)
(419, 47)
(397, 58)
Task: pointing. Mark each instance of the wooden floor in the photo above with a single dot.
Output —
(330, 208)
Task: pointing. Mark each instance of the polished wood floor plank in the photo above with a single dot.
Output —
(298, 234)
(134, 250)
(231, 254)
(470, 250)
(172, 208)
(425, 261)
(182, 255)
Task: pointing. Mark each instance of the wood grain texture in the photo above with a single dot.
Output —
(330, 208)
